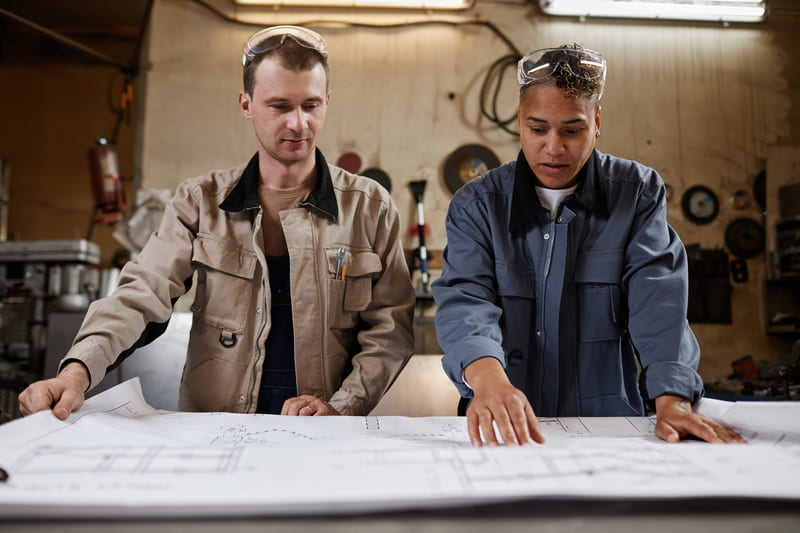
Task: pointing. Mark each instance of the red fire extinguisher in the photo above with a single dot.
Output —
(106, 182)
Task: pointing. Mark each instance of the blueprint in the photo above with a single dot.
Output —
(118, 457)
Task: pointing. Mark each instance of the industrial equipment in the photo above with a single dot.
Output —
(36, 279)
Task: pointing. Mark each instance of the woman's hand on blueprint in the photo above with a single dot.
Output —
(675, 420)
(498, 408)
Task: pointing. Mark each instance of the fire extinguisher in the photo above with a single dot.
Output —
(106, 182)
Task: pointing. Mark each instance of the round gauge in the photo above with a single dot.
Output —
(744, 238)
(700, 204)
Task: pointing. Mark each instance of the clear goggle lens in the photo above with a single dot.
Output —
(270, 38)
(542, 64)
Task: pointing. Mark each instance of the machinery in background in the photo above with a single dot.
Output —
(787, 251)
(760, 380)
(38, 278)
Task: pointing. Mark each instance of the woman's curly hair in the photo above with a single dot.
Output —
(570, 73)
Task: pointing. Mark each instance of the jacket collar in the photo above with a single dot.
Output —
(245, 193)
(525, 203)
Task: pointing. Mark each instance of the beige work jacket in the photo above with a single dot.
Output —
(353, 336)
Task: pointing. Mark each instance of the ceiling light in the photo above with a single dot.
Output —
(419, 4)
(704, 10)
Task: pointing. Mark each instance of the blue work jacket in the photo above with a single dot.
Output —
(587, 312)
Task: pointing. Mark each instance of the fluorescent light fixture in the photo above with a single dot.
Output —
(419, 4)
(705, 10)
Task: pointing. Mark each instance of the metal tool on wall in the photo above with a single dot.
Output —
(421, 253)
(466, 163)
(380, 176)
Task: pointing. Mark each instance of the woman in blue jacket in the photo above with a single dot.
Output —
(564, 289)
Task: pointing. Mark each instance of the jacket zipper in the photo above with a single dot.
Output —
(263, 322)
(540, 315)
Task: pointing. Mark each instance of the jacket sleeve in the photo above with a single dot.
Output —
(467, 316)
(656, 279)
(386, 339)
(138, 311)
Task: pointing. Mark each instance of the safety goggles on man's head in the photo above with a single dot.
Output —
(270, 38)
(540, 65)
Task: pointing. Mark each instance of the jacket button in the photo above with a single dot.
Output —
(546, 236)
(558, 220)
(539, 333)
(241, 397)
(258, 310)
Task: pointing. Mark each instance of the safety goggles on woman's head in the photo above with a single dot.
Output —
(540, 65)
(270, 38)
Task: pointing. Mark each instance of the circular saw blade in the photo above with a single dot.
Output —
(380, 176)
(466, 163)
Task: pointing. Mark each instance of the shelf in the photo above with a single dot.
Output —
(783, 330)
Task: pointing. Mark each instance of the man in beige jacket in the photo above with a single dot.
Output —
(303, 302)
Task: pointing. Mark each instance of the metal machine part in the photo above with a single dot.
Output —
(788, 247)
(36, 279)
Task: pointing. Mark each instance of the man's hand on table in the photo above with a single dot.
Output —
(675, 420)
(498, 402)
(63, 394)
(307, 405)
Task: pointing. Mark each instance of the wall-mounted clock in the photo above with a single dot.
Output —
(700, 204)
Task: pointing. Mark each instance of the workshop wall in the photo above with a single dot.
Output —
(700, 103)
(51, 112)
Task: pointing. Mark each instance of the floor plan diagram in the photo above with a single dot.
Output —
(118, 456)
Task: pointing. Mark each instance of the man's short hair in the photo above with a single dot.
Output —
(292, 56)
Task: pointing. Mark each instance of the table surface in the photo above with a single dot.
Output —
(614, 518)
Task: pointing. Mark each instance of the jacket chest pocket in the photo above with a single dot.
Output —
(516, 295)
(224, 283)
(597, 284)
(350, 288)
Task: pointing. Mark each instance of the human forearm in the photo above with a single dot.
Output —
(485, 374)
(76, 373)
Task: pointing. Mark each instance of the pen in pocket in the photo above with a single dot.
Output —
(340, 262)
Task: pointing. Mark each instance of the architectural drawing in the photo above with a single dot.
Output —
(119, 457)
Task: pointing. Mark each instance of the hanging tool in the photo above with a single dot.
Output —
(421, 253)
